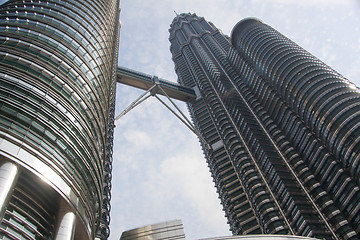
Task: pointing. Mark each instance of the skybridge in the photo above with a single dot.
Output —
(144, 81)
(154, 86)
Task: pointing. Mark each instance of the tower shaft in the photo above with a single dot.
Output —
(58, 62)
(282, 159)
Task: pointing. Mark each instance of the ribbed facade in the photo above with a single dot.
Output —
(281, 129)
(261, 237)
(58, 63)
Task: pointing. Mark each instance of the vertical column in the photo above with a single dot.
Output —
(9, 174)
(66, 227)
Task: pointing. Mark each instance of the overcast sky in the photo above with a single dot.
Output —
(159, 172)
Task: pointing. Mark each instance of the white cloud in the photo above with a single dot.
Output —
(189, 175)
(137, 138)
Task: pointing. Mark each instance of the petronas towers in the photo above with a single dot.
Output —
(280, 130)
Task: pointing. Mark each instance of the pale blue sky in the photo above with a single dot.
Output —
(159, 170)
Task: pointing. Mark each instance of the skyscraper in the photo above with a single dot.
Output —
(58, 64)
(171, 230)
(280, 129)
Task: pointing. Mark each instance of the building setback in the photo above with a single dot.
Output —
(58, 64)
(281, 129)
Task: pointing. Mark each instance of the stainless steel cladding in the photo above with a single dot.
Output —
(283, 129)
(57, 84)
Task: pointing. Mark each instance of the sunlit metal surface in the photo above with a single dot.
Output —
(58, 63)
(167, 230)
(9, 174)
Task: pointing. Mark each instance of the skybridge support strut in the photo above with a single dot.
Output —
(157, 89)
(139, 100)
(183, 117)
